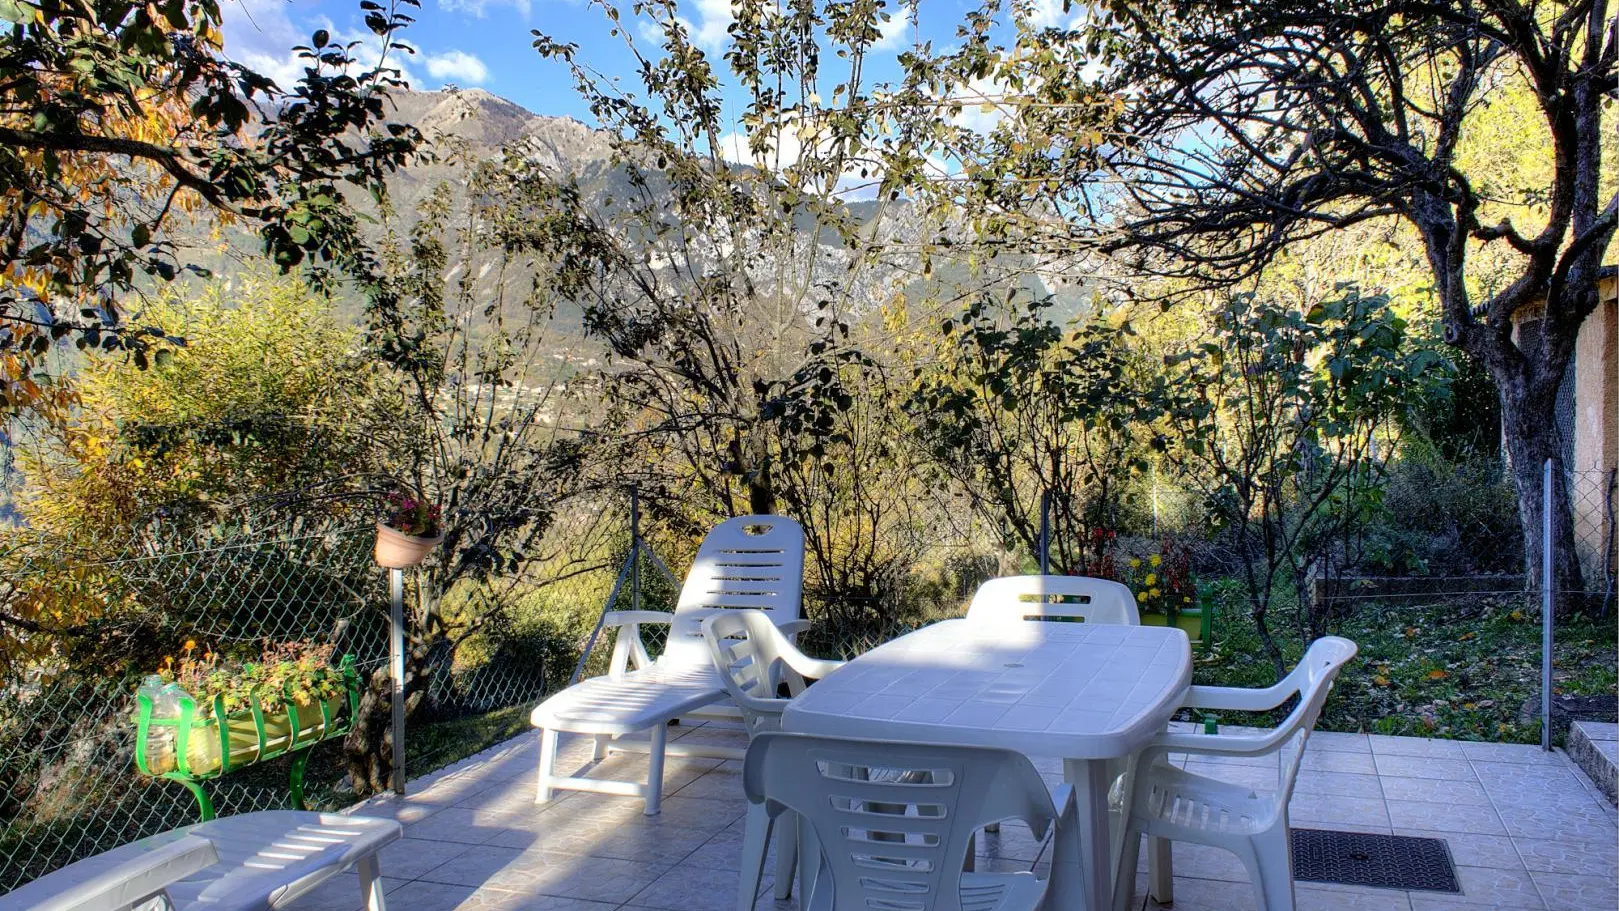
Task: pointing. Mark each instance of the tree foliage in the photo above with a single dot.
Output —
(118, 118)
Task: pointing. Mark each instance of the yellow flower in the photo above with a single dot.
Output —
(1152, 592)
(1135, 563)
(1157, 560)
(1152, 578)
(190, 644)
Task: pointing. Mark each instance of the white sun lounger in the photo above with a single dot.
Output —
(751, 562)
(251, 862)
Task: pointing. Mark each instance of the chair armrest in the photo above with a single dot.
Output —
(628, 649)
(810, 668)
(1238, 699)
(634, 618)
(1214, 744)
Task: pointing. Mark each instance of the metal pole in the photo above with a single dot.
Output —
(635, 549)
(1045, 533)
(396, 671)
(1155, 501)
(1547, 608)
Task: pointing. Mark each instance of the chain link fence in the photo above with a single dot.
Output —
(86, 621)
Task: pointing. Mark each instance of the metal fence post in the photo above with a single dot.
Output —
(1547, 607)
(396, 671)
(635, 549)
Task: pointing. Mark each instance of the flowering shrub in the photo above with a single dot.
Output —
(417, 518)
(1163, 580)
(301, 671)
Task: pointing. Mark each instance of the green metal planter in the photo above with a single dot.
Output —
(194, 747)
(1196, 622)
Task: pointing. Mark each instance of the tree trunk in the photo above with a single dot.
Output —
(368, 751)
(1528, 415)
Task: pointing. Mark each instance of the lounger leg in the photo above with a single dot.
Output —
(370, 883)
(654, 773)
(548, 761)
(598, 751)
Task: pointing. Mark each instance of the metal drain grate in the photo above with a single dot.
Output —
(1387, 861)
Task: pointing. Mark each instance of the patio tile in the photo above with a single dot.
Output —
(716, 783)
(409, 858)
(1318, 810)
(724, 850)
(694, 889)
(605, 838)
(1562, 855)
(1247, 776)
(1313, 896)
(1195, 861)
(602, 879)
(1343, 784)
(1469, 849)
(1513, 753)
(1572, 892)
(1385, 745)
(462, 825)
(1015, 841)
(1470, 793)
(1339, 742)
(340, 893)
(1502, 888)
(1337, 761)
(1550, 822)
(424, 896)
(1404, 765)
(502, 900)
(1445, 817)
(1200, 895)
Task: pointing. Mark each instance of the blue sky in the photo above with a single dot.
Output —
(486, 43)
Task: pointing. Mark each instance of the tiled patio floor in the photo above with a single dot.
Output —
(1526, 829)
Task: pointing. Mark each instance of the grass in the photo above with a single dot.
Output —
(1459, 670)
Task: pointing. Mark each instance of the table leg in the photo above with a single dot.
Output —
(1090, 780)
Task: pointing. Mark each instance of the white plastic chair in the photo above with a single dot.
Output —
(746, 563)
(1014, 598)
(755, 661)
(892, 823)
(1171, 803)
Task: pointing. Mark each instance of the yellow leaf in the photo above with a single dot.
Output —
(1380, 680)
(1437, 675)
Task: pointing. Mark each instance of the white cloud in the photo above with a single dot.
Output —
(711, 30)
(1049, 14)
(480, 8)
(899, 27)
(260, 35)
(456, 66)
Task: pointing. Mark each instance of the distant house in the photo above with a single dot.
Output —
(1588, 422)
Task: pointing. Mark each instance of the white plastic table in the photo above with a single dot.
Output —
(1089, 694)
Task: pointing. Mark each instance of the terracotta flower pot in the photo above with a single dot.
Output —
(397, 550)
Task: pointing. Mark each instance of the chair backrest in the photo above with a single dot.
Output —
(1313, 679)
(894, 820)
(1015, 598)
(750, 562)
(749, 652)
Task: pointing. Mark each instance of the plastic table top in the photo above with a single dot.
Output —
(1065, 690)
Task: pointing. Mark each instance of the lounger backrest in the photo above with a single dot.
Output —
(750, 562)
(1082, 598)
